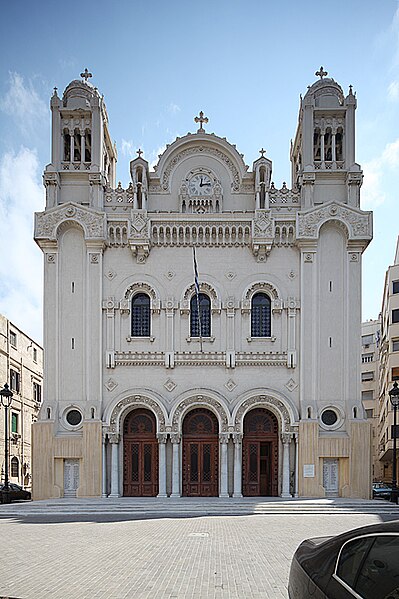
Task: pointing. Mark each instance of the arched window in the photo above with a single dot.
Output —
(328, 144)
(141, 315)
(260, 315)
(338, 144)
(14, 467)
(204, 313)
(317, 144)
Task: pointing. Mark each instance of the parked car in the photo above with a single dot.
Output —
(382, 490)
(16, 492)
(361, 563)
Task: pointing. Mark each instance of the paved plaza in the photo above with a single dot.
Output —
(164, 549)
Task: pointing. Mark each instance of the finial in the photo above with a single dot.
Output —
(201, 119)
(55, 91)
(321, 73)
(139, 152)
(86, 75)
(350, 90)
(262, 152)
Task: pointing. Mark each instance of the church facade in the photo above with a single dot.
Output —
(239, 377)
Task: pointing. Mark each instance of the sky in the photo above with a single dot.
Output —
(244, 63)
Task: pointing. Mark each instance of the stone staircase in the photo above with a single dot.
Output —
(153, 507)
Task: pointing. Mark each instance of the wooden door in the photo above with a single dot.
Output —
(260, 454)
(140, 449)
(200, 454)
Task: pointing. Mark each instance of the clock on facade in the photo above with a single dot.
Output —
(200, 185)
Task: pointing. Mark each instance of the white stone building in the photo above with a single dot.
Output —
(21, 366)
(267, 401)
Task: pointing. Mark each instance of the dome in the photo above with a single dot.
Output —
(78, 94)
(326, 92)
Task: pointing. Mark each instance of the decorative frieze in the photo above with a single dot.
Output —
(92, 222)
(356, 222)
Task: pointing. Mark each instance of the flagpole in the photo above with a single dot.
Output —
(197, 291)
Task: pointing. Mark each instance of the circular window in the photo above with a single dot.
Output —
(329, 417)
(74, 417)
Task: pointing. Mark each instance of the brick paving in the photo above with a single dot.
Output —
(204, 557)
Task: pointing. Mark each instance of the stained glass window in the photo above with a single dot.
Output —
(204, 313)
(261, 315)
(141, 315)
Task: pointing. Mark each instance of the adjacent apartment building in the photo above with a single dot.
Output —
(389, 365)
(370, 388)
(21, 366)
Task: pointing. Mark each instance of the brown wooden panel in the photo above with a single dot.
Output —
(200, 454)
(140, 455)
(260, 454)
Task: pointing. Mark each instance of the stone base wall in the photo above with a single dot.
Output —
(49, 453)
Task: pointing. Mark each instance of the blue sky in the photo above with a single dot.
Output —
(243, 63)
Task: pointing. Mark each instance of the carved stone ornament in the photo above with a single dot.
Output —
(51, 258)
(265, 401)
(199, 401)
(263, 287)
(110, 274)
(139, 228)
(230, 385)
(356, 222)
(162, 437)
(263, 224)
(92, 222)
(202, 150)
(142, 287)
(204, 288)
(95, 258)
(169, 385)
(134, 402)
(111, 384)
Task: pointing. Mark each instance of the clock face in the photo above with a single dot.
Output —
(200, 185)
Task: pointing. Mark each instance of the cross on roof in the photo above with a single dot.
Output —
(201, 119)
(262, 152)
(139, 152)
(86, 75)
(321, 73)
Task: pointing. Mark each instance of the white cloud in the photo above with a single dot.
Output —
(393, 91)
(127, 148)
(173, 108)
(21, 193)
(23, 104)
(375, 173)
(154, 156)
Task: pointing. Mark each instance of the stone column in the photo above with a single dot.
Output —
(104, 466)
(223, 441)
(286, 439)
(237, 438)
(175, 438)
(82, 146)
(114, 440)
(162, 437)
(296, 466)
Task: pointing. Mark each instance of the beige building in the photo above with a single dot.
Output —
(245, 384)
(21, 366)
(389, 365)
(370, 387)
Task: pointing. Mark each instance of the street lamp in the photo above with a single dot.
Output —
(6, 399)
(394, 397)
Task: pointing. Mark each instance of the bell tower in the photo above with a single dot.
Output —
(83, 158)
(323, 152)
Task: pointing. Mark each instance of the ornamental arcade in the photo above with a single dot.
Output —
(241, 380)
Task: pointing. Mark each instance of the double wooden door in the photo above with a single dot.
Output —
(140, 447)
(200, 454)
(260, 454)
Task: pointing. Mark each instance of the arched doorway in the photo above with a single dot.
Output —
(140, 455)
(200, 454)
(260, 454)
